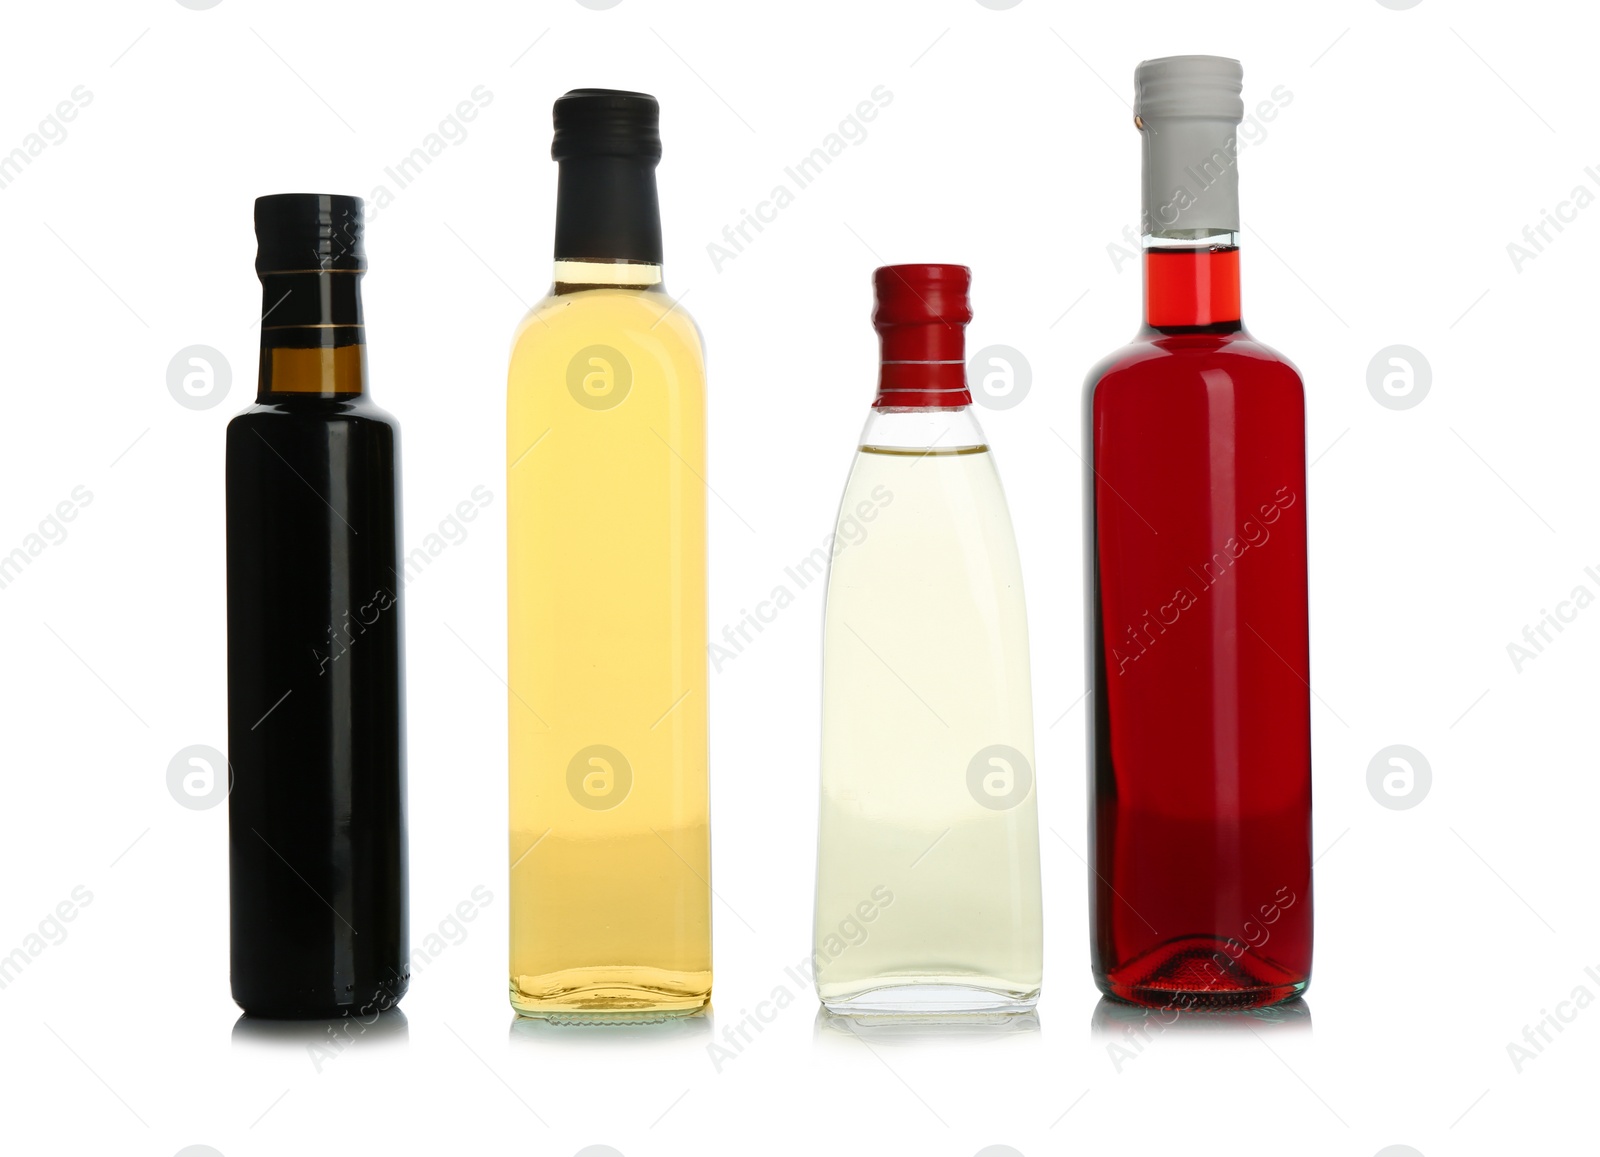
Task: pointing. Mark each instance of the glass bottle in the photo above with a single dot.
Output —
(928, 850)
(316, 722)
(606, 552)
(1199, 736)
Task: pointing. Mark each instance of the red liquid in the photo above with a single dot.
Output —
(1200, 791)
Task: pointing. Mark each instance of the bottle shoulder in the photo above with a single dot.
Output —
(283, 411)
(1152, 358)
(643, 316)
(922, 429)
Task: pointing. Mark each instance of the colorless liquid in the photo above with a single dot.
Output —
(928, 860)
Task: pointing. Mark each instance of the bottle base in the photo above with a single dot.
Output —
(601, 996)
(1199, 972)
(626, 1018)
(928, 999)
(321, 1005)
(1152, 996)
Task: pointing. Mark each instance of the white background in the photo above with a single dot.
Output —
(1377, 210)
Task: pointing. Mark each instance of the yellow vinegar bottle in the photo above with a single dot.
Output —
(610, 846)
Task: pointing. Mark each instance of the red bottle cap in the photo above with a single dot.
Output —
(921, 318)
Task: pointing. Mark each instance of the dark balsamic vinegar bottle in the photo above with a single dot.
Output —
(316, 737)
(1200, 733)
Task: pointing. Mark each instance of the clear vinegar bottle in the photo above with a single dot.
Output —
(928, 852)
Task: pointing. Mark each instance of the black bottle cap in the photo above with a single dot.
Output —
(299, 232)
(606, 122)
(608, 143)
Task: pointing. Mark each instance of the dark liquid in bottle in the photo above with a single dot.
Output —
(316, 816)
(316, 744)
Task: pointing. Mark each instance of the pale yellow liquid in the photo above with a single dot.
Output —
(606, 555)
(927, 900)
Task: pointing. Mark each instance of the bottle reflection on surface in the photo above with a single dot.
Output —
(1116, 1021)
(388, 1029)
(692, 1032)
(903, 1028)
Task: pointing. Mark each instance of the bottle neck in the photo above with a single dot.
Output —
(313, 342)
(1192, 285)
(315, 371)
(922, 385)
(922, 366)
(607, 211)
(1190, 209)
(572, 276)
(923, 431)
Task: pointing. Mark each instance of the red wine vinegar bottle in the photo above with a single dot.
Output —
(316, 733)
(1200, 733)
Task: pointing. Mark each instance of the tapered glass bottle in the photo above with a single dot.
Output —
(1199, 737)
(316, 725)
(928, 851)
(606, 551)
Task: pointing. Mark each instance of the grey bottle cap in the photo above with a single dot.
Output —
(1187, 109)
